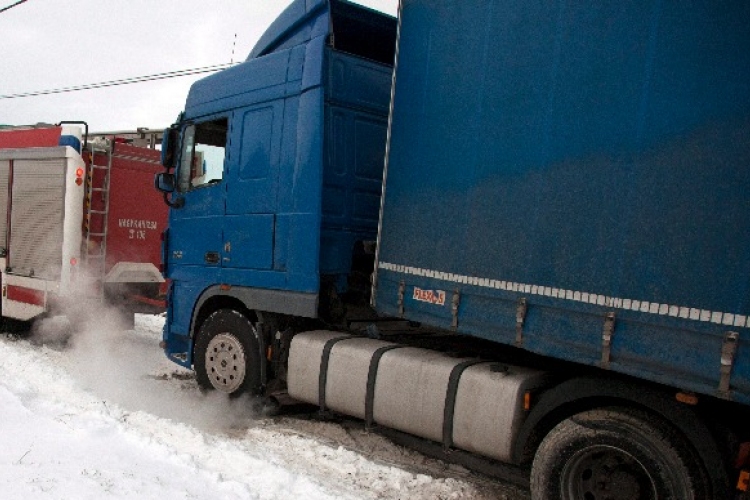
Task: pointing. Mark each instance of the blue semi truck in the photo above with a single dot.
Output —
(517, 230)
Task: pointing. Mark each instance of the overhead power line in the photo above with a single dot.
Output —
(123, 81)
(12, 5)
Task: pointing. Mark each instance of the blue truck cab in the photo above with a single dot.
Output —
(277, 174)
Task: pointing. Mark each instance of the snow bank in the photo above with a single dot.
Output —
(65, 443)
(109, 416)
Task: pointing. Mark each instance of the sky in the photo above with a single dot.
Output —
(51, 44)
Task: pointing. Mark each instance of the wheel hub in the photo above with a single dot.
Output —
(225, 362)
(607, 473)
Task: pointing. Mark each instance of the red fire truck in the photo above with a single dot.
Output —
(79, 220)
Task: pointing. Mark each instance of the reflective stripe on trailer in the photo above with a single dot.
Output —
(674, 310)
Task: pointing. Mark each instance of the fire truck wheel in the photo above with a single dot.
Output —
(613, 454)
(227, 354)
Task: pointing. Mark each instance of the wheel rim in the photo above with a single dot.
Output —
(225, 362)
(607, 473)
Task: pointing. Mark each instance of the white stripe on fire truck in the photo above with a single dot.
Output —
(137, 158)
(676, 311)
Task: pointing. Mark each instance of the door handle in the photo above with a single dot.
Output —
(212, 257)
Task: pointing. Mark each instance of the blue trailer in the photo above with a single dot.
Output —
(550, 202)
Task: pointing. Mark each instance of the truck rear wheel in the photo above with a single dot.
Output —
(227, 354)
(612, 454)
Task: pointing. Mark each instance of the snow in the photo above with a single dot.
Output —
(106, 415)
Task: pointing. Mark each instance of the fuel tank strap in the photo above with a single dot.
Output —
(323, 376)
(371, 376)
(450, 399)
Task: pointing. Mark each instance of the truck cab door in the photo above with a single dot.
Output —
(196, 242)
(252, 187)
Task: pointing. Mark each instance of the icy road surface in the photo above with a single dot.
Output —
(109, 417)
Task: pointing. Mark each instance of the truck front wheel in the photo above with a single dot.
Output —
(227, 354)
(613, 454)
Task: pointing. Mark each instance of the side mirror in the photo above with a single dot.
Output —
(168, 145)
(164, 182)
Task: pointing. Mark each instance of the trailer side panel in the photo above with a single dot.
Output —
(573, 179)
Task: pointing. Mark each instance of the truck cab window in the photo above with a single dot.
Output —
(203, 153)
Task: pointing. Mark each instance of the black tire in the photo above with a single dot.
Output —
(614, 454)
(227, 354)
(16, 327)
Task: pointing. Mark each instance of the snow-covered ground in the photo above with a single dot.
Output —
(107, 416)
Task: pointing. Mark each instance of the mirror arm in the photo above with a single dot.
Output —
(178, 203)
